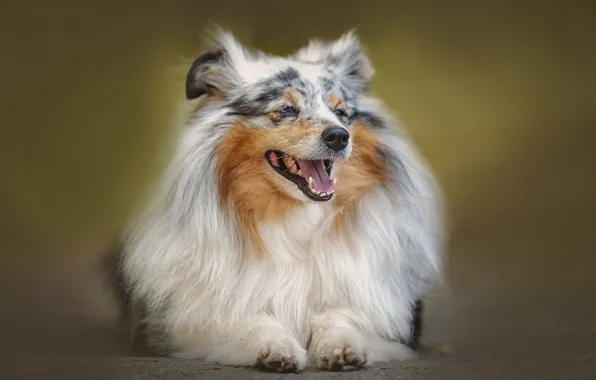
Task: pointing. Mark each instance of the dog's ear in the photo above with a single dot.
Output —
(345, 56)
(214, 72)
(202, 76)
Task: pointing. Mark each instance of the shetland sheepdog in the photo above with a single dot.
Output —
(296, 224)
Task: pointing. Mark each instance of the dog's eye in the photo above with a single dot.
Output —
(342, 114)
(287, 111)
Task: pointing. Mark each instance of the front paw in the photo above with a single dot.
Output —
(337, 348)
(284, 355)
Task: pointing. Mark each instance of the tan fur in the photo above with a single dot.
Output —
(291, 97)
(334, 101)
(357, 176)
(247, 180)
(255, 190)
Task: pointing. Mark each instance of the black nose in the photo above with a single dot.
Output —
(336, 138)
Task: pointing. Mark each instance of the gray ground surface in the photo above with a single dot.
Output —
(560, 367)
(535, 350)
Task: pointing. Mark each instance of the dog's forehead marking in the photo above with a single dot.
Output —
(267, 80)
(258, 70)
(318, 88)
(253, 72)
(309, 72)
(316, 84)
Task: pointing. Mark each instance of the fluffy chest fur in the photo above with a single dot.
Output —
(309, 265)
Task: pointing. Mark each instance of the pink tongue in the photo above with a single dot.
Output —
(316, 170)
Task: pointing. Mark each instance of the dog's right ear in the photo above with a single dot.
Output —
(198, 81)
(215, 72)
(207, 75)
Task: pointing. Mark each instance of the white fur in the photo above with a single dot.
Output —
(207, 296)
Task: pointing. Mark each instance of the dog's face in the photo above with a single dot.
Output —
(294, 114)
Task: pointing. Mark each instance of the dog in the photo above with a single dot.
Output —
(296, 224)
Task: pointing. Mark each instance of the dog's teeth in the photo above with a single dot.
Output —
(299, 172)
(323, 194)
(310, 181)
(334, 181)
(291, 164)
(331, 192)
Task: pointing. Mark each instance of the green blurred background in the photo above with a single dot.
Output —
(500, 97)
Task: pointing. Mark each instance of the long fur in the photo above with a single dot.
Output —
(336, 283)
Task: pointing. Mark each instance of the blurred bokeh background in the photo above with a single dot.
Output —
(500, 98)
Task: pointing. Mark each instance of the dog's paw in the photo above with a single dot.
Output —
(285, 355)
(338, 348)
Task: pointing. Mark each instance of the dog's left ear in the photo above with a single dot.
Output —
(345, 56)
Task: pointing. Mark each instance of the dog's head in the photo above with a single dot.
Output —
(293, 114)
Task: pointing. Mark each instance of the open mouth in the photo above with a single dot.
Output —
(311, 176)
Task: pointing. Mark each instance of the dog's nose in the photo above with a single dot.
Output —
(336, 138)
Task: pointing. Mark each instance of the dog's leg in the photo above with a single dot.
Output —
(262, 342)
(337, 342)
